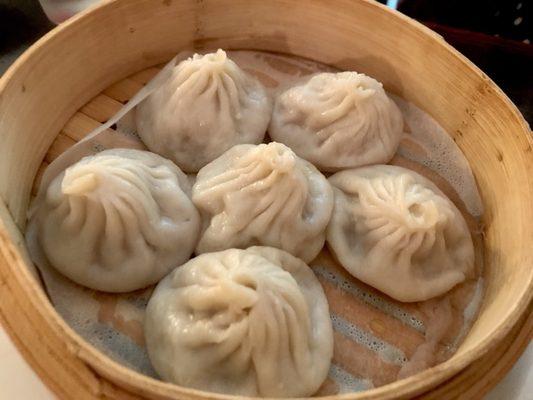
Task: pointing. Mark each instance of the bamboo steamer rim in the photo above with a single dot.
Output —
(15, 273)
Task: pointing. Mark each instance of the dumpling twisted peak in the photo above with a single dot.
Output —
(337, 95)
(249, 322)
(396, 231)
(79, 184)
(216, 61)
(338, 120)
(117, 221)
(265, 195)
(213, 75)
(276, 157)
(403, 203)
(207, 106)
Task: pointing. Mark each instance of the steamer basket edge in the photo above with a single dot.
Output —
(73, 354)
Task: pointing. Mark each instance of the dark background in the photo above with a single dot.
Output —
(494, 34)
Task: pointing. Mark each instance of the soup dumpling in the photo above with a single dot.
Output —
(207, 106)
(337, 121)
(396, 231)
(117, 221)
(249, 322)
(263, 195)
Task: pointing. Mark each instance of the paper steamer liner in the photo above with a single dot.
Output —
(377, 339)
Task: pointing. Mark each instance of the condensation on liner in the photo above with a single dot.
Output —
(377, 339)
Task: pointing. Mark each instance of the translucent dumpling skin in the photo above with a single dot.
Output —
(117, 221)
(263, 195)
(395, 230)
(337, 121)
(249, 322)
(207, 106)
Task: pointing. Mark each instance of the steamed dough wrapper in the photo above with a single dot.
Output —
(338, 120)
(395, 230)
(249, 322)
(207, 106)
(117, 221)
(263, 195)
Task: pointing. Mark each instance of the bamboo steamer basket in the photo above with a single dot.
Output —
(68, 67)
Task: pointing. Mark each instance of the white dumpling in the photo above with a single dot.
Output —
(207, 106)
(117, 221)
(395, 230)
(249, 322)
(263, 195)
(337, 121)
